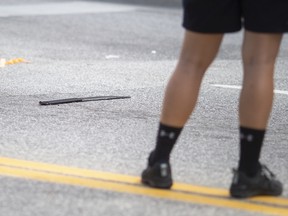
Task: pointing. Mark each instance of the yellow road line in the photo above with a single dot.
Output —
(69, 170)
(222, 193)
(130, 179)
(137, 190)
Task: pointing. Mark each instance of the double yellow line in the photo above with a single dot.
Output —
(131, 184)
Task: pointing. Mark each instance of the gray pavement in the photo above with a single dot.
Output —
(131, 50)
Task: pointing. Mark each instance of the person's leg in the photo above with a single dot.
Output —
(198, 51)
(259, 54)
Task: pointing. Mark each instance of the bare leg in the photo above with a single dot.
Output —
(198, 51)
(259, 54)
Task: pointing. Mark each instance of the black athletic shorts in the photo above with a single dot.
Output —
(220, 16)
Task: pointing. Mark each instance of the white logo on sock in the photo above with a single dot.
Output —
(170, 135)
(249, 137)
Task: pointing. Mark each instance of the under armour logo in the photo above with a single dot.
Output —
(170, 135)
(248, 137)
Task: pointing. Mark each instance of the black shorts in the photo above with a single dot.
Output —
(220, 16)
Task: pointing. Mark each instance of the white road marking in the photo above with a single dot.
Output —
(239, 87)
(62, 8)
(112, 57)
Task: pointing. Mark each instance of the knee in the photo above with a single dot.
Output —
(193, 64)
(258, 70)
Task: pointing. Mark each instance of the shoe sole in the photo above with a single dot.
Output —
(166, 184)
(246, 194)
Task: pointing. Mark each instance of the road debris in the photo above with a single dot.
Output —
(4, 62)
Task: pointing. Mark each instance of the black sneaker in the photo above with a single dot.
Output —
(263, 183)
(157, 175)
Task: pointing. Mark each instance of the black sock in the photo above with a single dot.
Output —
(251, 141)
(166, 139)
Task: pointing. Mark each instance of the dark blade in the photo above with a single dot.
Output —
(84, 99)
(103, 98)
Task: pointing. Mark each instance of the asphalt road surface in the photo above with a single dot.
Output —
(85, 158)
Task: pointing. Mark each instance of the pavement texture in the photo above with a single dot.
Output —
(128, 51)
